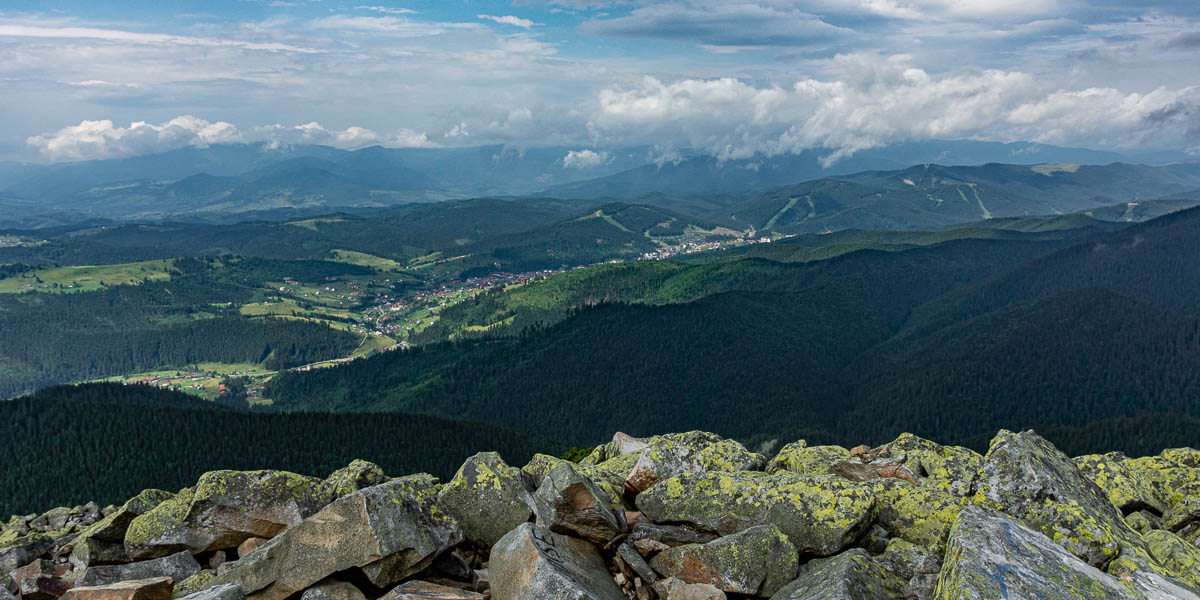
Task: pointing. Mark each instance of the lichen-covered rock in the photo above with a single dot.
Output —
(158, 588)
(1126, 486)
(228, 591)
(112, 528)
(198, 582)
(357, 475)
(178, 567)
(819, 514)
(423, 590)
(331, 589)
(1026, 477)
(21, 551)
(948, 468)
(534, 563)
(912, 564)
(992, 555)
(89, 552)
(851, 575)
(922, 515)
(225, 509)
(571, 504)
(486, 498)
(608, 476)
(757, 561)
(1181, 559)
(390, 531)
(671, 455)
(802, 459)
(1183, 512)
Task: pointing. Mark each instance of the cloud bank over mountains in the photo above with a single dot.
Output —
(734, 79)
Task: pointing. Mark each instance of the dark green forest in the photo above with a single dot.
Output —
(106, 442)
(863, 347)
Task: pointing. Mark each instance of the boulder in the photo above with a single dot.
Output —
(757, 561)
(992, 555)
(912, 565)
(1181, 559)
(225, 509)
(178, 567)
(390, 531)
(23, 550)
(571, 504)
(947, 468)
(88, 552)
(851, 575)
(669, 535)
(635, 564)
(331, 589)
(1025, 476)
(819, 514)
(250, 545)
(671, 455)
(112, 528)
(423, 590)
(627, 444)
(534, 563)
(1125, 486)
(922, 515)
(158, 588)
(41, 580)
(801, 459)
(198, 582)
(674, 589)
(357, 475)
(486, 498)
(228, 591)
(609, 477)
(856, 470)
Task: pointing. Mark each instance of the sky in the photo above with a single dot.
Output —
(90, 79)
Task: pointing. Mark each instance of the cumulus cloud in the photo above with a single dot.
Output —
(877, 102)
(101, 139)
(584, 159)
(508, 20)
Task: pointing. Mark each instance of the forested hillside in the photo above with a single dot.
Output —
(107, 442)
(951, 341)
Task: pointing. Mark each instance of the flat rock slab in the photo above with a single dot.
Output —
(390, 531)
(157, 588)
(533, 563)
(178, 567)
(423, 590)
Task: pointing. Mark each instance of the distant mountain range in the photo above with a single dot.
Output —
(235, 181)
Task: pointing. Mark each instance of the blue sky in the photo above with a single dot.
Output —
(92, 79)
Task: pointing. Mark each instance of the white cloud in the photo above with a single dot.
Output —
(509, 20)
(115, 35)
(388, 10)
(584, 159)
(877, 101)
(91, 140)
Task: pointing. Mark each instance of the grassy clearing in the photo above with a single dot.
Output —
(312, 223)
(783, 211)
(365, 260)
(87, 278)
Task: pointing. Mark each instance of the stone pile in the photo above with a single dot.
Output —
(687, 516)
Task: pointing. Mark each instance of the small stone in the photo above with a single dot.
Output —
(675, 589)
(250, 545)
(647, 546)
(331, 589)
(631, 557)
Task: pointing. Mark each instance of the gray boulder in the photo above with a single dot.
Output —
(992, 555)
(358, 475)
(819, 514)
(390, 531)
(666, 456)
(331, 589)
(178, 567)
(423, 590)
(851, 575)
(571, 504)
(534, 563)
(757, 561)
(23, 550)
(486, 498)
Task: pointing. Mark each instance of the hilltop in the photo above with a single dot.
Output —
(670, 517)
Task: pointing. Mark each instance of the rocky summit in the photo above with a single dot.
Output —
(689, 516)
